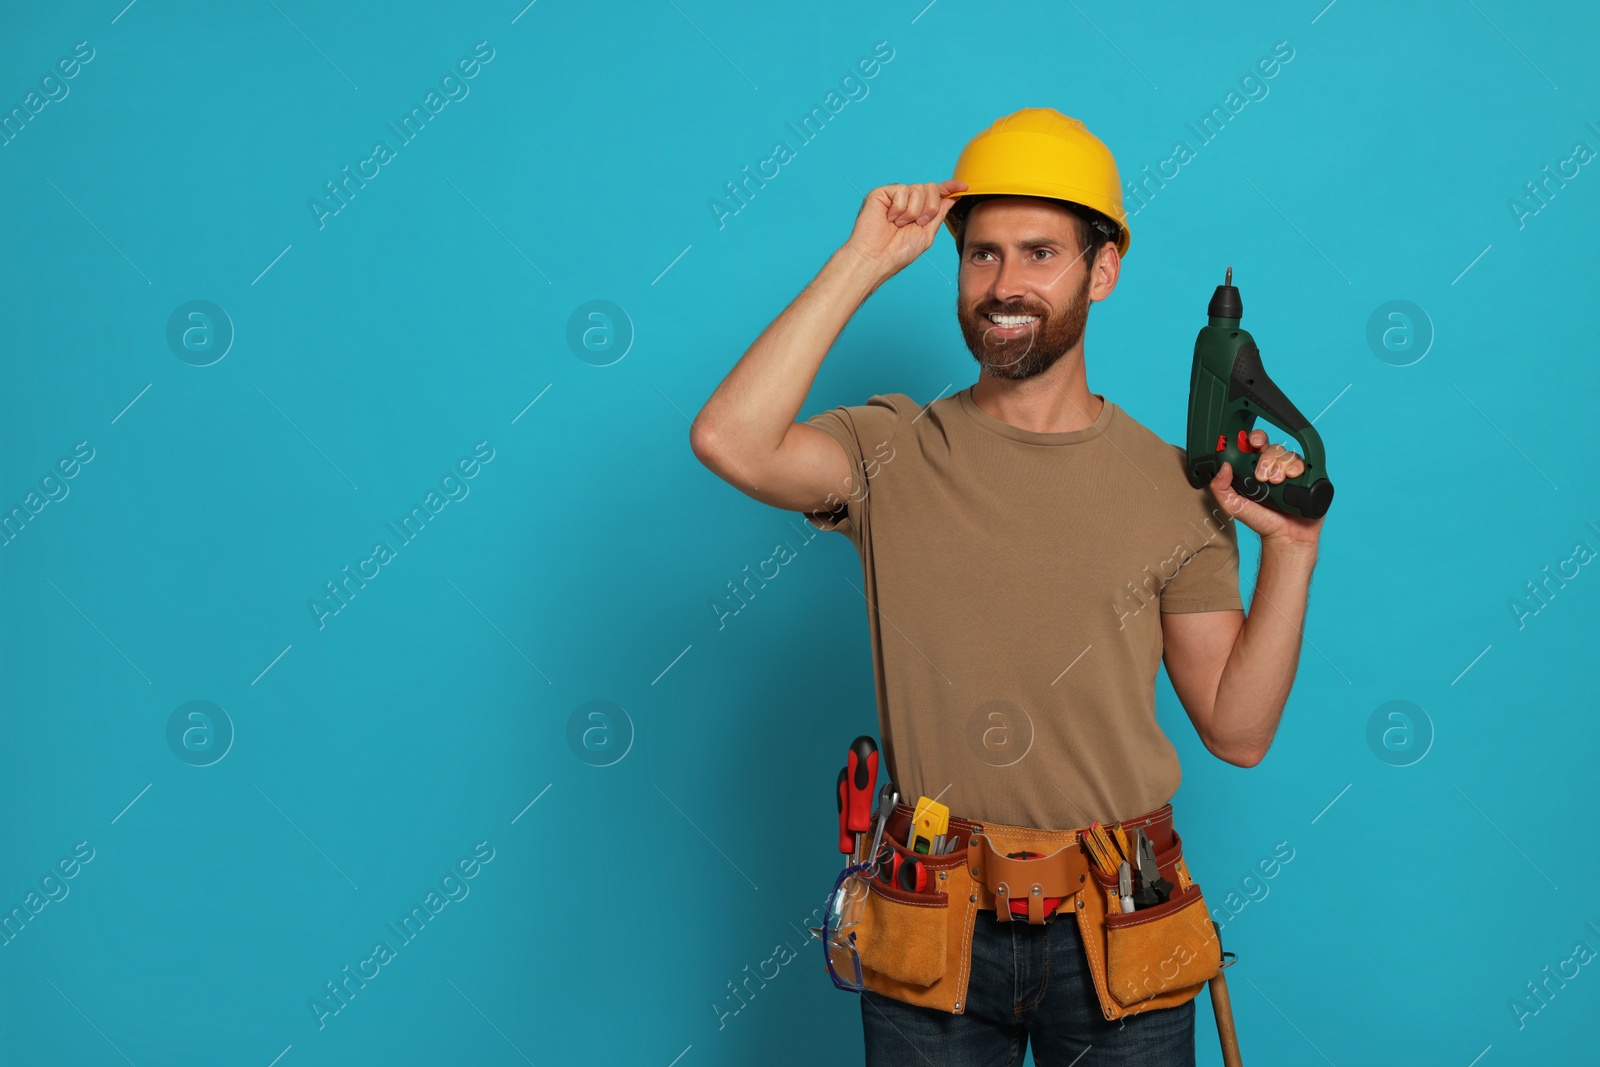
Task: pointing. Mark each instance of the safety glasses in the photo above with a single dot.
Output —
(840, 922)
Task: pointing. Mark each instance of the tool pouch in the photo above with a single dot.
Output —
(917, 947)
(1156, 957)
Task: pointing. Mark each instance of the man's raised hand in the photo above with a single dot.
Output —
(897, 223)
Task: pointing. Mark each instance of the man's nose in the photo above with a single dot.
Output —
(1010, 281)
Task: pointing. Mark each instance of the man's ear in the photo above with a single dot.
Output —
(1107, 268)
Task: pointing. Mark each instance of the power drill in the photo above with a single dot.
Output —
(1228, 390)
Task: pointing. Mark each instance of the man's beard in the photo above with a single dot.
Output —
(1036, 351)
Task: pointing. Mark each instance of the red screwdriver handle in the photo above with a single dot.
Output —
(847, 839)
(862, 768)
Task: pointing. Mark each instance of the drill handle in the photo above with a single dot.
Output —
(1251, 393)
(1252, 382)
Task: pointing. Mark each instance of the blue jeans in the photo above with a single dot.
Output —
(1028, 982)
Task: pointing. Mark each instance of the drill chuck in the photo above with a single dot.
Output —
(1225, 302)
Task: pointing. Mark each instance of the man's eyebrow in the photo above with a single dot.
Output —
(1026, 242)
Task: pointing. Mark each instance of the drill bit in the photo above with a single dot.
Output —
(1229, 279)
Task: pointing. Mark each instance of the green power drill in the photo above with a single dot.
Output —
(1228, 391)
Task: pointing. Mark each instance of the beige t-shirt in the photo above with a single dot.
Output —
(1014, 583)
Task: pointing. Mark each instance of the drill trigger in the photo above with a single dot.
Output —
(1244, 442)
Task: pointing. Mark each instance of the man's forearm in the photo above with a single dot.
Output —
(752, 409)
(1260, 671)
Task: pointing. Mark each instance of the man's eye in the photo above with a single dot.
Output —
(1045, 251)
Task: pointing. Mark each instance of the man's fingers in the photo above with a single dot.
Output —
(1222, 488)
(1277, 464)
(897, 203)
(921, 202)
(890, 211)
(912, 199)
(915, 202)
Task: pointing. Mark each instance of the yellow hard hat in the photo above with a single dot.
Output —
(1038, 151)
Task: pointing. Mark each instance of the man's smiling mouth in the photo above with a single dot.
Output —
(1011, 321)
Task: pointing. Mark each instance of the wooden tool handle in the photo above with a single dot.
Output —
(1222, 1007)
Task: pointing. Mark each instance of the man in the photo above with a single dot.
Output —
(1030, 554)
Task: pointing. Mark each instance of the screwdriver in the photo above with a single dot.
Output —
(847, 840)
(861, 767)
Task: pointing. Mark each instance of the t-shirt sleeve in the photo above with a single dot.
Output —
(867, 433)
(1208, 580)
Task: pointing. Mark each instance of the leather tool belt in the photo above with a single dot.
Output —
(917, 947)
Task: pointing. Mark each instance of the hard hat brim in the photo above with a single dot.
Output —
(1049, 191)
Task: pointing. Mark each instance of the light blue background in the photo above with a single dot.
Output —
(372, 754)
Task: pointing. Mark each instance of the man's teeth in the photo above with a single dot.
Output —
(1012, 320)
